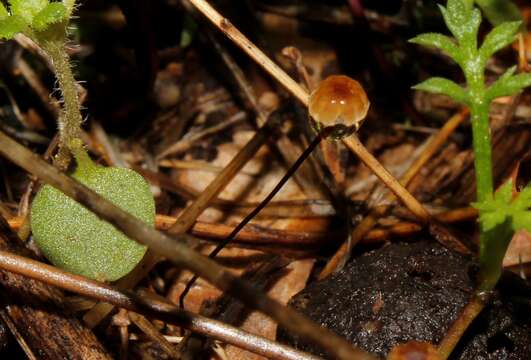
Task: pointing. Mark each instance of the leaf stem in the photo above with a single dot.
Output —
(70, 119)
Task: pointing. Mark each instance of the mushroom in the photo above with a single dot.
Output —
(339, 104)
(414, 350)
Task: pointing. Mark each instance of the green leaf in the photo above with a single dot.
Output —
(53, 13)
(3, 12)
(499, 11)
(10, 26)
(439, 85)
(69, 5)
(523, 200)
(508, 85)
(27, 9)
(462, 20)
(503, 208)
(501, 36)
(439, 41)
(504, 193)
(77, 240)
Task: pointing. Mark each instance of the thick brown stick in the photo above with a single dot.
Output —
(175, 251)
(155, 306)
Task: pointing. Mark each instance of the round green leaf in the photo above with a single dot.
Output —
(77, 240)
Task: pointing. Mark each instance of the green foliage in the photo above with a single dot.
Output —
(499, 11)
(508, 84)
(444, 86)
(502, 208)
(75, 239)
(53, 13)
(499, 215)
(32, 17)
(463, 21)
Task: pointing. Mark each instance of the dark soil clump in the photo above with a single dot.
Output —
(408, 292)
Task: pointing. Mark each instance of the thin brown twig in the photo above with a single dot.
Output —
(458, 328)
(187, 142)
(148, 304)
(355, 145)
(258, 235)
(174, 250)
(255, 53)
(153, 333)
(363, 228)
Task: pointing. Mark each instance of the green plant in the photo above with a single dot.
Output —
(68, 234)
(499, 214)
(499, 11)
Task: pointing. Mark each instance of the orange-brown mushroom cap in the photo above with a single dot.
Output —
(413, 350)
(338, 101)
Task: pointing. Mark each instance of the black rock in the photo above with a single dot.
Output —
(408, 292)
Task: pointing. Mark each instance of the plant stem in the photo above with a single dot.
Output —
(479, 112)
(70, 119)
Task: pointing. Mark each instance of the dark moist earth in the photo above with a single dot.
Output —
(413, 292)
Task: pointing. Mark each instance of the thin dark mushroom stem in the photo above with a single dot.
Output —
(149, 304)
(174, 250)
(255, 211)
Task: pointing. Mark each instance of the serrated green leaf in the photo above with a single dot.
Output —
(499, 11)
(501, 36)
(522, 221)
(10, 26)
(27, 9)
(504, 209)
(3, 12)
(508, 85)
(440, 41)
(69, 5)
(439, 85)
(52, 14)
(504, 193)
(523, 201)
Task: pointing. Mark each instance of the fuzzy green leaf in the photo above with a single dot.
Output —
(10, 26)
(439, 85)
(77, 240)
(53, 13)
(3, 12)
(27, 9)
(440, 41)
(499, 11)
(501, 36)
(508, 84)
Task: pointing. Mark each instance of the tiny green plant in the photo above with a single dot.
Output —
(69, 235)
(500, 214)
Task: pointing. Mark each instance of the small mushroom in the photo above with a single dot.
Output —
(414, 350)
(339, 104)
